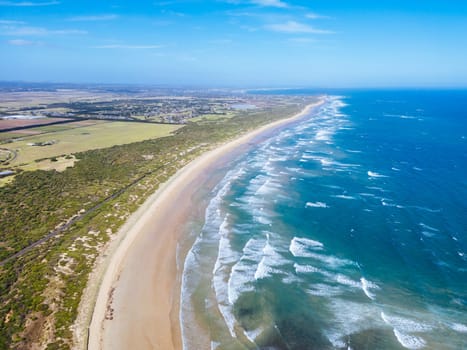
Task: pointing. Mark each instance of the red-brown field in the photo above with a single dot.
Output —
(6, 124)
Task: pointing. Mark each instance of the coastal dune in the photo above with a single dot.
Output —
(137, 305)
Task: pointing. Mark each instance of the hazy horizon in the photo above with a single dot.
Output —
(236, 43)
(240, 87)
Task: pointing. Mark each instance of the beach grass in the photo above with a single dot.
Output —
(212, 117)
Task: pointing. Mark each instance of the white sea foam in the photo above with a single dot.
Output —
(428, 227)
(239, 281)
(326, 162)
(331, 261)
(458, 327)
(402, 327)
(263, 270)
(364, 194)
(316, 205)
(347, 165)
(343, 196)
(300, 247)
(261, 216)
(226, 257)
(376, 188)
(428, 234)
(406, 325)
(295, 170)
(425, 209)
(243, 272)
(323, 160)
(334, 187)
(274, 148)
(302, 269)
(214, 231)
(259, 260)
(324, 290)
(310, 243)
(253, 334)
(267, 187)
(366, 286)
(342, 279)
(386, 203)
(323, 135)
(409, 341)
(331, 277)
(308, 156)
(349, 318)
(336, 341)
(278, 159)
(186, 315)
(375, 174)
(400, 116)
(269, 261)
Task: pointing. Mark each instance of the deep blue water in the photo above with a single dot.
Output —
(347, 230)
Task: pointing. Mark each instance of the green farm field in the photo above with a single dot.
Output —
(99, 135)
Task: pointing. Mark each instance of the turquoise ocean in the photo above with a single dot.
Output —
(344, 230)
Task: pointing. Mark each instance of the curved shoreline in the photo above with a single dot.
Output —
(140, 271)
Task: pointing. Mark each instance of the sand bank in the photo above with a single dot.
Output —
(137, 304)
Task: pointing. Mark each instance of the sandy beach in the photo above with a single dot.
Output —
(137, 305)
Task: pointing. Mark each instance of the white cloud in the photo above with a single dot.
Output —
(130, 47)
(6, 22)
(264, 3)
(93, 18)
(313, 15)
(243, 14)
(270, 3)
(28, 3)
(165, 3)
(22, 42)
(38, 31)
(295, 27)
(173, 13)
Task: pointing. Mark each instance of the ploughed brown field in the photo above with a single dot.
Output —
(6, 124)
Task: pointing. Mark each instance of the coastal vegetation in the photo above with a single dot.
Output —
(54, 225)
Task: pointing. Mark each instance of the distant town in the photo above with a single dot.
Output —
(63, 119)
(155, 105)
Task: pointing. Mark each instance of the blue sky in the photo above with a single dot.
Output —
(254, 43)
